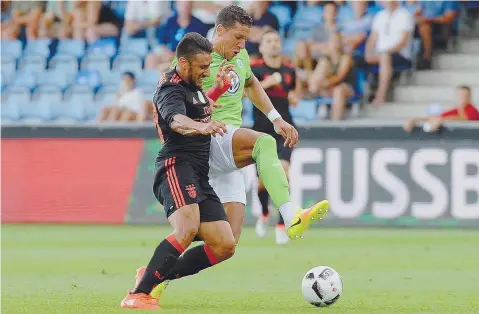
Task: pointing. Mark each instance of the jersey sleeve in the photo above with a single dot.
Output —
(170, 101)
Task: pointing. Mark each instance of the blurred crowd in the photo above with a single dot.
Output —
(335, 46)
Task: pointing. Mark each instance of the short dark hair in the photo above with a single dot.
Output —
(269, 31)
(466, 87)
(193, 44)
(232, 14)
(129, 74)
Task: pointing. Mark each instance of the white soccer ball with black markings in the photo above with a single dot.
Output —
(322, 286)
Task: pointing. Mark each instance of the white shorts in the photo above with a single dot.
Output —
(227, 180)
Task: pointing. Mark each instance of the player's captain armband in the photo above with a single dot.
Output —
(273, 115)
(215, 93)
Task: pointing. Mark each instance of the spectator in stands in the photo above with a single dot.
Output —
(390, 44)
(355, 26)
(57, 20)
(141, 15)
(93, 20)
(10, 30)
(263, 21)
(334, 77)
(28, 14)
(309, 50)
(130, 105)
(206, 11)
(436, 17)
(170, 35)
(464, 111)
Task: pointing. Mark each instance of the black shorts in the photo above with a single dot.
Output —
(284, 153)
(399, 61)
(178, 184)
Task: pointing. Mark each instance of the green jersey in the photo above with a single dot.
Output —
(230, 112)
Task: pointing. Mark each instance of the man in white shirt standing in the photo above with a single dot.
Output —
(141, 15)
(390, 44)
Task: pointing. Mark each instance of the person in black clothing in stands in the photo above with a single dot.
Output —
(183, 117)
(278, 79)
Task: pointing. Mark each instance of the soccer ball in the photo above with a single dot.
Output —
(322, 286)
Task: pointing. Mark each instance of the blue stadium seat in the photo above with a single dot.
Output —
(39, 47)
(135, 46)
(24, 79)
(247, 108)
(90, 78)
(33, 63)
(104, 46)
(148, 77)
(65, 63)
(10, 111)
(130, 63)
(111, 78)
(57, 77)
(148, 90)
(74, 47)
(9, 65)
(82, 92)
(47, 94)
(106, 96)
(73, 109)
(98, 62)
(283, 14)
(11, 48)
(305, 111)
(36, 111)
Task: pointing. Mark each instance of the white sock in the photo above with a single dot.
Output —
(288, 211)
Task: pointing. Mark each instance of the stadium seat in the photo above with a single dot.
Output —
(9, 65)
(73, 109)
(47, 94)
(148, 90)
(39, 47)
(36, 111)
(11, 48)
(283, 14)
(83, 93)
(98, 62)
(23, 79)
(66, 63)
(129, 62)
(135, 46)
(57, 77)
(247, 108)
(103, 46)
(111, 78)
(305, 111)
(74, 47)
(148, 77)
(90, 78)
(10, 111)
(33, 63)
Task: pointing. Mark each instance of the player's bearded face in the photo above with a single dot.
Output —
(199, 68)
(232, 40)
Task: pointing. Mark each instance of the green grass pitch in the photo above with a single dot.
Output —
(88, 269)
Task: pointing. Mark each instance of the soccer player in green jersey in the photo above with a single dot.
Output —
(241, 147)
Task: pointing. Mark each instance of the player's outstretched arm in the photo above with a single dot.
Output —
(188, 127)
(260, 99)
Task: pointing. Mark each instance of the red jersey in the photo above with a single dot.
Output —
(472, 114)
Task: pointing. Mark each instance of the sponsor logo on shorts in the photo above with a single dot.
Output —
(191, 190)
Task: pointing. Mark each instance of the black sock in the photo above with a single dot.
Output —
(192, 262)
(162, 262)
(264, 199)
(280, 220)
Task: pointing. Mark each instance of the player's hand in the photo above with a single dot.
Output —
(409, 125)
(224, 74)
(213, 127)
(287, 131)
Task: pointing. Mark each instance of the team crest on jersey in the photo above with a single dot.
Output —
(239, 63)
(191, 190)
(235, 83)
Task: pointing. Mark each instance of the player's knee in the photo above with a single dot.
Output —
(187, 232)
(227, 249)
(267, 141)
